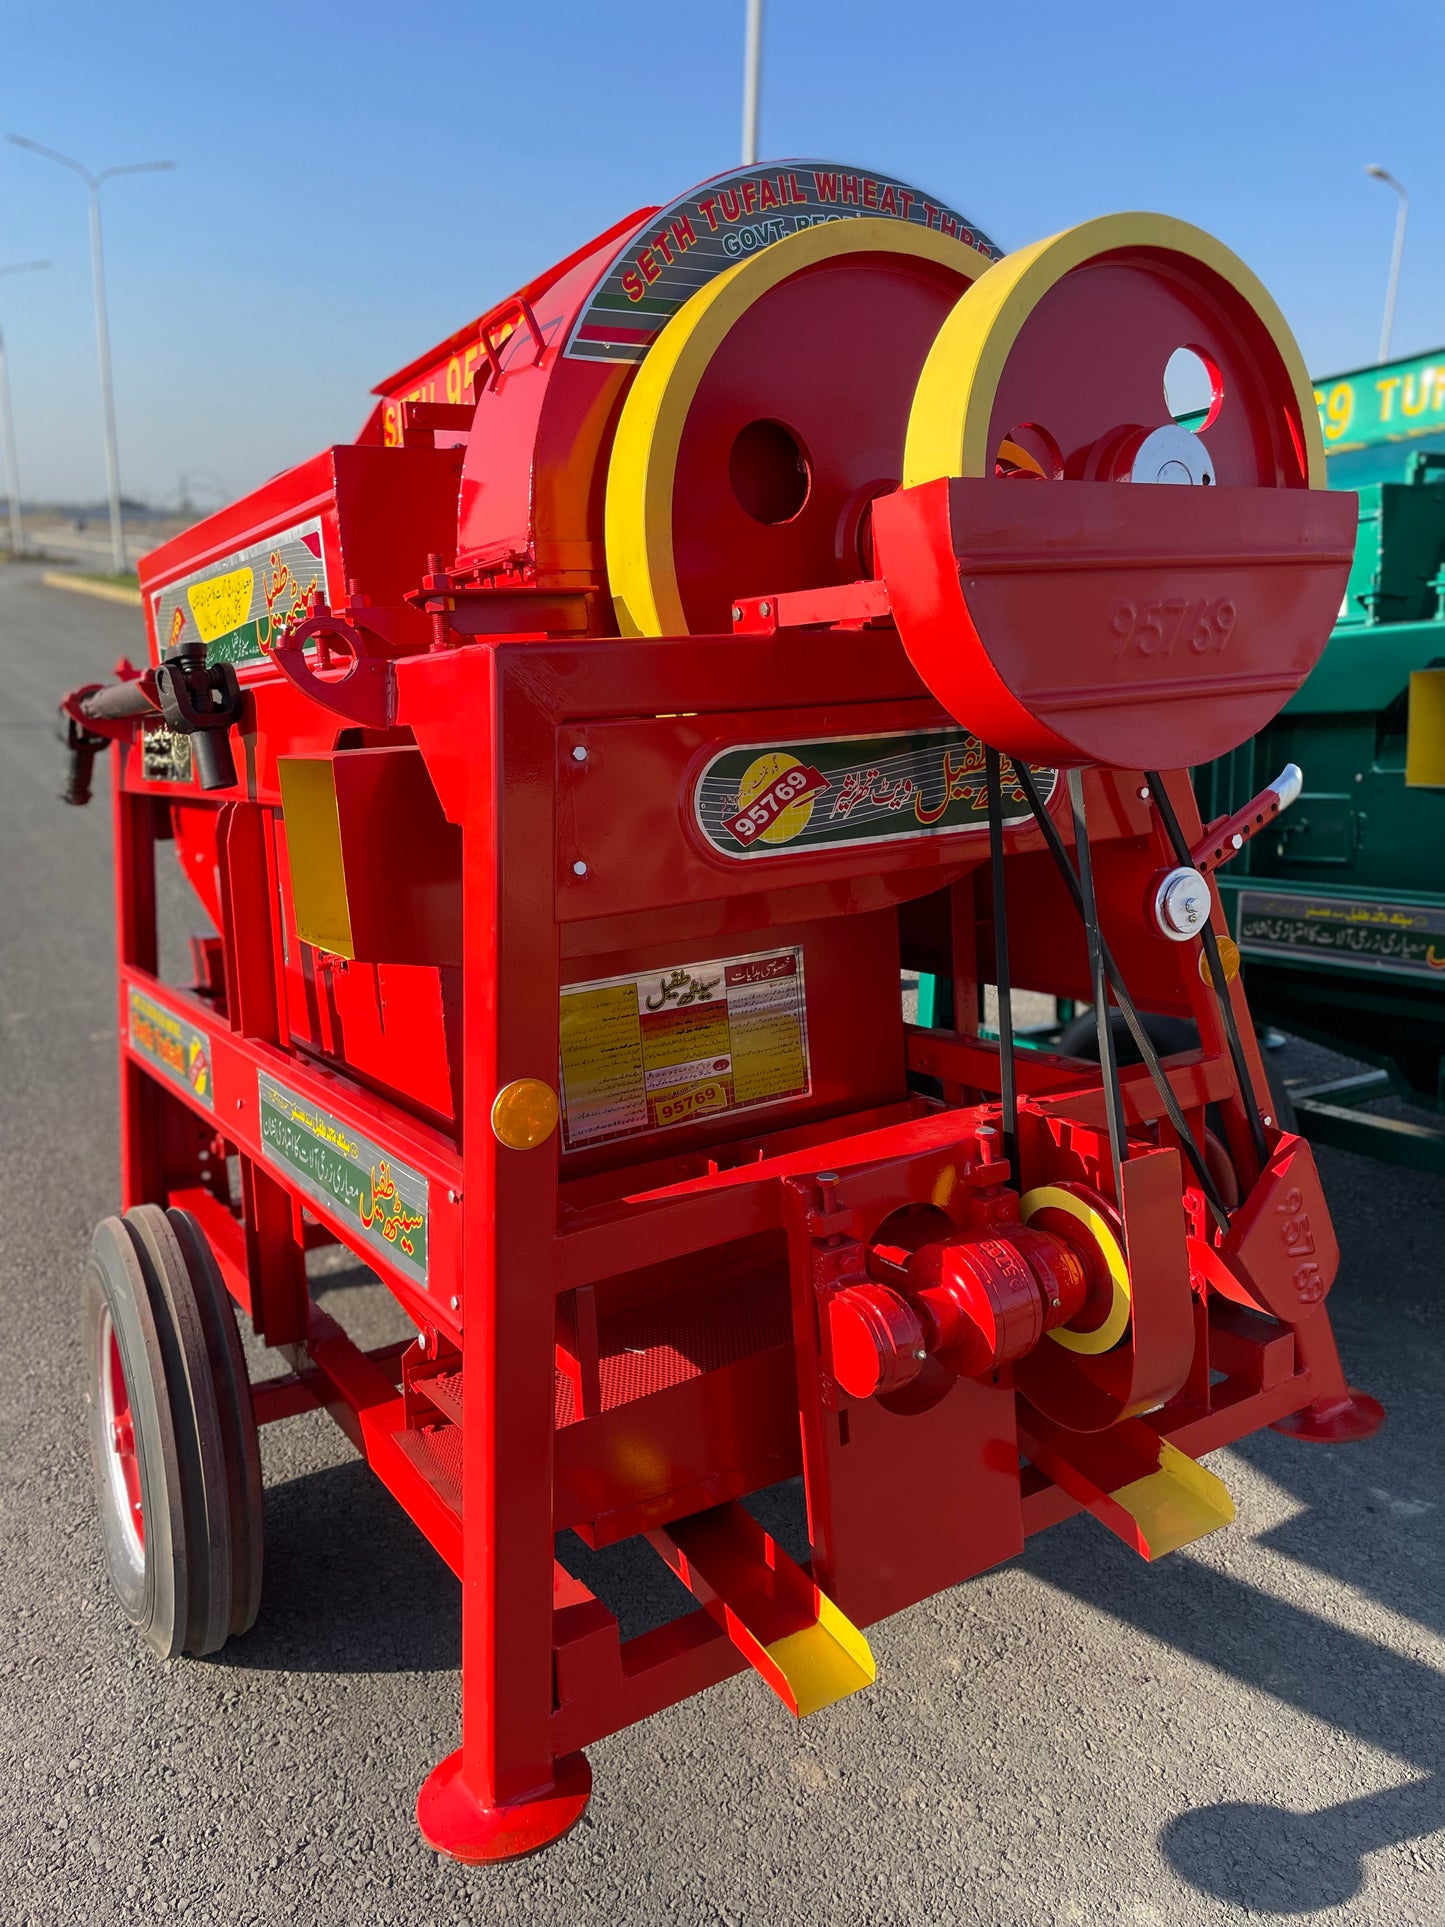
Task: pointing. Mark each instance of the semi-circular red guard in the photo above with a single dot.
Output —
(1116, 623)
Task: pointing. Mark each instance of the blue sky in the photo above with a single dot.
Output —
(355, 182)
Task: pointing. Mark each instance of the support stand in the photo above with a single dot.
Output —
(454, 1821)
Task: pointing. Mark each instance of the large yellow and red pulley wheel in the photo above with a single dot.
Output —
(1107, 619)
(1054, 366)
(768, 416)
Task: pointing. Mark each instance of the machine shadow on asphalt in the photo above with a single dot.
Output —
(350, 1587)
(1250, 1854)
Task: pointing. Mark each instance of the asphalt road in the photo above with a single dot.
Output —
(1251, 1730)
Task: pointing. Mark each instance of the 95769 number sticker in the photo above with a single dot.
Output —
(784, 798)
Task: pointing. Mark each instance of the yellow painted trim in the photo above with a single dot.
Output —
(640, 476)
(313, 848)
(1176, 1505)
(1052, 1197)
(948, 429)
(87, 585)
(824, 1662)
(1425, 731)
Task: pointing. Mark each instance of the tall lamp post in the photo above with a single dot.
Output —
(752, 80)
(1387, 326)
(94, 182)
(7, 425)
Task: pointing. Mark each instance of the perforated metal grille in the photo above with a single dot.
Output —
(645, 1348)
(436, 1452)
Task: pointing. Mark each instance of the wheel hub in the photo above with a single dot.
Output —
(123, 1461)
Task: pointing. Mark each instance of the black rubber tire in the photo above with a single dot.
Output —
(205, 1490)
(194, 1579)
(238, 1420)
(1166, 1034)
(117, 1299)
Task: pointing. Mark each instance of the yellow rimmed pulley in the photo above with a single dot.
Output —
(1100, 1239)
(767, 417)
(1052, 366)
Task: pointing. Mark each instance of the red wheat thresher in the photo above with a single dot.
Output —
(567, 767)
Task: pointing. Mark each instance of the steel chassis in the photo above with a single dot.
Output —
(543, 1669)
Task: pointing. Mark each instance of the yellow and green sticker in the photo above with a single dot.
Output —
(179, 1050)
(241, 604)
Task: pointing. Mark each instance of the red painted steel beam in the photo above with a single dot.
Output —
(365, 1403)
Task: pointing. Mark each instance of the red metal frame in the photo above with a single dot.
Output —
(535, 1687)
(631, 1337)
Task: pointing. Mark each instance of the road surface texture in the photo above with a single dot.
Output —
(1250, 1731)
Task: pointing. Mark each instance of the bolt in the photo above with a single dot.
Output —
(765, 609)
(240, 1101)
(579, 754)
(451, 1197)
(1144, 794)
(737, 613)
(1237, 840)
(1055, 1303)
(920, 1354)
(579, 868)
(1268, 1120)
(827, 1177)
(455, 1302)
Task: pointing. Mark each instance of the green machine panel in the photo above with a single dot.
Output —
(1339, 908)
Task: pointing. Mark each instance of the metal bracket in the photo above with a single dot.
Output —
(365, 692)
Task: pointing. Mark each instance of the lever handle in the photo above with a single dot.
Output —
(1226, 839)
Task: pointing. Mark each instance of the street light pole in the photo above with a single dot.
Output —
(7, 426)
(94, 183)
(1387, 326)
(107, 386)
(752, 80)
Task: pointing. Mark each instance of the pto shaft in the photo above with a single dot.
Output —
(971, 1303)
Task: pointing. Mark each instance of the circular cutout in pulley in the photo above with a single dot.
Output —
(767, 417)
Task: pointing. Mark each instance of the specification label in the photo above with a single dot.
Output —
(338, 1167)
(648, 1052)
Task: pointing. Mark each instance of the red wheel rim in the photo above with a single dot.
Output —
(122, 1461)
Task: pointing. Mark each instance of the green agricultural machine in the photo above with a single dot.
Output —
(1339, 909)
